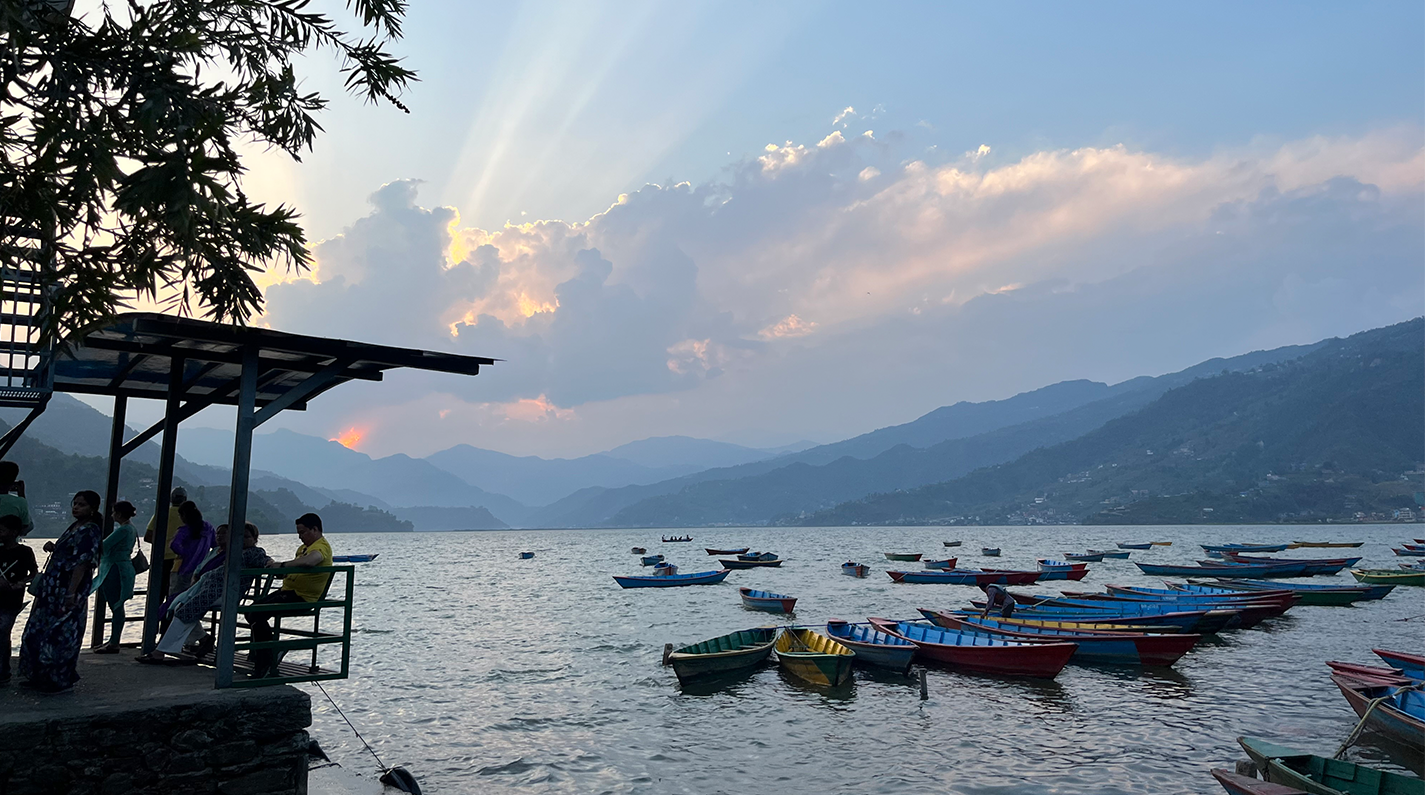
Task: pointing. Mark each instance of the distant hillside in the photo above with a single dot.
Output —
(792, 485)
(1334, 433)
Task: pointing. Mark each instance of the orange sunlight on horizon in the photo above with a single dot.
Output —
(349, 438)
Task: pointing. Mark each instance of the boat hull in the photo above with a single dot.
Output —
(742, 551)
(749, 564)
(1411, 665)
(814, 657)
(726, 654)
(1321, 776)
(965, 577)
(903, 557)
(1388, 577)
(672, 581)
(1102, 648)
(769, 602)
(1122, 545)
(1387, 717)
(1002, 658)
(872, 647)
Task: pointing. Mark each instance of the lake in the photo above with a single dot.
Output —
(483, 673)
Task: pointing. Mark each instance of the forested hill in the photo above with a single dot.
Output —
(1333, 434)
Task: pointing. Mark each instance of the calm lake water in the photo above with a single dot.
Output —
(483, 673)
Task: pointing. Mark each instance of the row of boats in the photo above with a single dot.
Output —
(1390, 700)
(1123, 625)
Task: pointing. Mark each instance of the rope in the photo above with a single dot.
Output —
(349, 724)
(1361, 724)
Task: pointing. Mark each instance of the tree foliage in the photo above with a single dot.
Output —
(119, 167)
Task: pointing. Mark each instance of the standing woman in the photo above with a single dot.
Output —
(191, 542)
(50, 646)
(115, 580)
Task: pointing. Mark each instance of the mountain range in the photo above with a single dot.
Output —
(682, 481)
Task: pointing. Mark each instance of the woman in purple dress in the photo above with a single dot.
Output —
(54, 632)
(191, 543)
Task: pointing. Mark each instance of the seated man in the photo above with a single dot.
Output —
(296, 589)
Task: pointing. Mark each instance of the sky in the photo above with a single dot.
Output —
(763, 223)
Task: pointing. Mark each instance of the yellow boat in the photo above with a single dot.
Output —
(814, 657)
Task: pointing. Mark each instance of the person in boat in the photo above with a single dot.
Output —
(12, 499)
(115, 581)
(997, 598)
(191, 544)
(54, 633)
(189, 607)
(297, 588)
(17, 568)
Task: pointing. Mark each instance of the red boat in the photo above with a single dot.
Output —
(1076, 572)
(1242, 785)
(1409, 664)
(966, 577)
(1371, 673)
(1124, 648)
(981, 653)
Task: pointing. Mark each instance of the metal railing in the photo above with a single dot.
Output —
(314, 639)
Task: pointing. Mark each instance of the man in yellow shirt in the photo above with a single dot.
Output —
(170, 558)
(296, 589)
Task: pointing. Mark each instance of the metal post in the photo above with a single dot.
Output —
(237, 514)
(111, 495)
(157, 586)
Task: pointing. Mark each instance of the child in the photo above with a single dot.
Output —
(17, 568)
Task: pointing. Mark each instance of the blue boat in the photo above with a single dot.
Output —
(1243, 547)
(942, 565)
(1122, 545)
(651, 560)
(853, 569)
(1395, 710)
(354, 558)
(673, 580)
(766, 600)
(523, 555)
(1224, 570)
(990, 552)
(873, 647)
(1090, 557)
(1108, 553)
(1108, 648)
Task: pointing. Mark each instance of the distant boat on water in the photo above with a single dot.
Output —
(677, 539)
(1144, 545)
(990, 552)
(853, 569)
(526, 555)
(354, 558)
(711, 551)
(952, 543)
(673, 580)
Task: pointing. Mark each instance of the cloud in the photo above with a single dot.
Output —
(841, 117)
(675, 298)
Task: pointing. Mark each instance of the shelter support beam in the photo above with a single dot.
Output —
(111, 495)
(157, 584)
(13, 435)
(313, 383)
(237, 514)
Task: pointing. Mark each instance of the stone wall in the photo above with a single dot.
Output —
(234, 742)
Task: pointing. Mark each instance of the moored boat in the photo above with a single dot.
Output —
(1145, 545)
(872, 646)
(725, 551)
(1089, 557)
(903, 557)
(651, 560)
(1161, 543)
(1397, 711)
(1311, 594)
(1411, 665)
(751, 561)
(1233, 571)
(1108, 648)
(672, 580)
(1055, 570)
(952, 543)
(766, 600)
(1322, 776)
(523, 556)
(1236, 784)
(1242, 547)
(676, 539)
(640, 551)
(966, 577)
(814, 657)
(734, 651)
(990, 552)
(943, 565)
(1389, 576)
(1325, 544)
(1108, 553)
(853, 569)
(355, 558)
(981, 653)
(1409, 553)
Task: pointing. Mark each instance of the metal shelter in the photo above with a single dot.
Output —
(191, 365)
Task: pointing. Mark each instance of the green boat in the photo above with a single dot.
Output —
(1313, 596)
(734, 651)
(1322, 776)
(1389, 576)
(814, 657)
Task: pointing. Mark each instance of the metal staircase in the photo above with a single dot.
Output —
(26, 357)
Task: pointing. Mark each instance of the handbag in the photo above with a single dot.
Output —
(34, 587)
(140, 562)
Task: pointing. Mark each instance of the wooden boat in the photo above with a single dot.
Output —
(1221, 570)
(523, 555)
(1090, 627)
(981, 653)
(1313, 566)
(904, 557)
(651, 560)
(1161, 543)
(965, 577)
(990, 552)
(1414, 546)
(1242, 547)
(952, 543)
(1322, 595)
(1108, 648)
(1147, 545)
(750, 562)
(1322, 776)
(813, 657)
(1205, 620)
(1367, 592)
(1242, 785)
(1043, 574)
(766, 600)
(1389, 576)
(640, 551)
(1398, 711)
(1110, 553)
(1325, 544)
(354, 558)
(943, 565)
(1411, 665)
(742, 551)
(872, 646)
(676, 539)
(724, 654)
(1058, 570)
(853, 569)
(1371, 673)
(1409, 553)
(1084, 558)
(672, 580)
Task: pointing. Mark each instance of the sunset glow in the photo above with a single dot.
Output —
(349, 438)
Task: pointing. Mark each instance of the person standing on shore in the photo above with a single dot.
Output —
(169, 557)
(12, 504)
(115, 581)
(191, 543)
(17, 568)
(296, 588)
(54, 633)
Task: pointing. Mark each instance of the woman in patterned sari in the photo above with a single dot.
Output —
(54, 633)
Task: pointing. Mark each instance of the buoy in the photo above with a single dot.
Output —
(401, 779)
